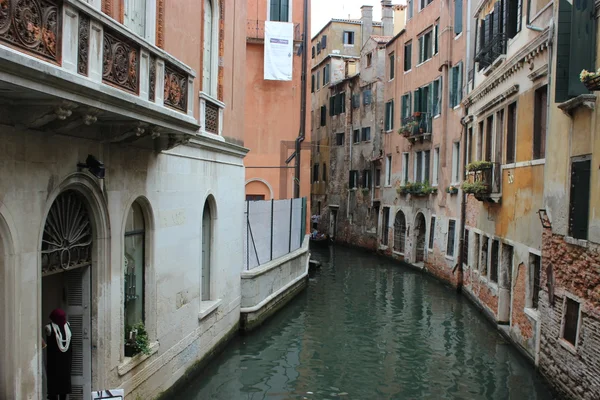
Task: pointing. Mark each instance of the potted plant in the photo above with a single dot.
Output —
(591, 80)
(452, 189)
(476, 188)
(479, 166)
(136, 340)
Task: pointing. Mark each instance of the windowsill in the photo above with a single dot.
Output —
(389, 131)
(406, 72)
(576, 242)
(532, 313)
(430, 250)
(436, 116)
(130, 363)
(458, 36)
(383, 247)
(354, 189)
(456, 107)
(447, 257)
(584, 100)
(348, 45)
(397, 253)
(387, 186)
(424, 62)
(522, 164)
(567, 346)
(391, 80)
(208, 307)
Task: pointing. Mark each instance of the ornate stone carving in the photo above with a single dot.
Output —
(120, 62)
(84, 44)
(175, 89)
(160, 23)
(67, 240)
(211, 118)
(32, 25)
(152, 78)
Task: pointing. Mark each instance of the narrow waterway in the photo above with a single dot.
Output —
(368, 328)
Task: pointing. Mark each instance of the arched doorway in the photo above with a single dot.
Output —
(420, 231)
(400, 232)
(66, 259)
(206, 250)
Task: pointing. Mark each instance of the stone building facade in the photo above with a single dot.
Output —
(569, 301)
(505, 135)
(421, 157)
(272, 109)
(135, 232)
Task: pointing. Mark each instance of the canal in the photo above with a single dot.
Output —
(368, 328)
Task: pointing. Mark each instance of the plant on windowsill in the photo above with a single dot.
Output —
(136, 340)
(417, 189)
(452, 190)
(479, 166)
(591, 80)
(407, 129)
(477, 188)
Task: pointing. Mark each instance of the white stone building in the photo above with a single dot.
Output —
(158, 239)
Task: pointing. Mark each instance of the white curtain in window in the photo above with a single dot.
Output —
(207, 67)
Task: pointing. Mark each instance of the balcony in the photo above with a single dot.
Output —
(68, 68)
(255, 31)
(417, 127)
(489, 53)
(484, 181)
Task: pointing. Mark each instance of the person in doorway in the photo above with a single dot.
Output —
(59, 356)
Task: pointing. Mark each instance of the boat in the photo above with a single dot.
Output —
(320, 240)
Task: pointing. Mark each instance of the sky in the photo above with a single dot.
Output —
(325, 10)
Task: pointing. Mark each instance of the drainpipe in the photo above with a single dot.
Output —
(468, 45)
(302, 134)
(463, 209)
(528, 24)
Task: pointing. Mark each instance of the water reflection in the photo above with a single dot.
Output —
(367, 328)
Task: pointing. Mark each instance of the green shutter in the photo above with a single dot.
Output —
(275, 10)
(387, 117)
(563, 44)
(458, 16)
(460, 83)
(436, 29)
(331, 105)
(392, 115)
(417, 101)
(583, 34)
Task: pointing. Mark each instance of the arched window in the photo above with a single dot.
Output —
(134, 266)
(399, 232)
(206, 250)
(210, 48)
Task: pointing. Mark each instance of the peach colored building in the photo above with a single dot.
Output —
(273, 108)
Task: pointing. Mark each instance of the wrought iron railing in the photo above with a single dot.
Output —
(255, 30)
(492, 50)
(417, 124)
(484, 181)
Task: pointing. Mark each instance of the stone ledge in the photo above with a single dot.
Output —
(132, 362)
(208, 307)
(584, 100)
(576, 242)
(263, 269)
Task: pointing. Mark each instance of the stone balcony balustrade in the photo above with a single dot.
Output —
(68, 68)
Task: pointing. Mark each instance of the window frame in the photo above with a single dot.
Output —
(408, 56)
(453, 248)
(422, 39)
(568, 297)
(290, 9)
(214, 51)
(392, 69)
(405, 165)
(431, 236)
(347, 35)
(455, 179)
(389, 116)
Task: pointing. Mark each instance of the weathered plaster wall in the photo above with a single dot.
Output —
(36, 167)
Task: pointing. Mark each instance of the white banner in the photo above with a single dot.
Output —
(279, 51)
(113, 394)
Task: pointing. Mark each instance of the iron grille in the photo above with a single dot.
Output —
(211, 118)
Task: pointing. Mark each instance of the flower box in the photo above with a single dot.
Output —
(452, 190)
(591, 80)
(479, 166)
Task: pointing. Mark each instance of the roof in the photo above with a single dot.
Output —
(344, 21)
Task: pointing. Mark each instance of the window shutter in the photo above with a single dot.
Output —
(387, 117)
(520, 13)
(459, 78)
(275, 10)
(563, 51)
(332, 106)
(430, 99)
(458, 16)
(367, 97)
(583, 34)
(324, 42)
(435, 39)
(312, 83)
(313, 52)
(355, 100)
(417, 101)
(421, 49)
(392, 115)
(580, 199)
(343, 102)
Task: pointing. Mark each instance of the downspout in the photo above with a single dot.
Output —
(528, 24)
(468, 46)
(463, 209)
(302, 133)
(351, 142)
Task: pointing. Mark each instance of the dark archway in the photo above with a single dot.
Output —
(420, 234)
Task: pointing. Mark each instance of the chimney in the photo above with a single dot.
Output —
(366, 19)
(387, 17)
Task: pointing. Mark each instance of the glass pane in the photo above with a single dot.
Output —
(134, 279)
(135, 219)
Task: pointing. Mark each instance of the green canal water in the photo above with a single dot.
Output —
(369, 328)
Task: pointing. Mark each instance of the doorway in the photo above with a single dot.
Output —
(333, 223)
(206, 240)
(420, 230)
(66, 253)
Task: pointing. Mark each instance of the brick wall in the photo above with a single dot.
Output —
(576, 373)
